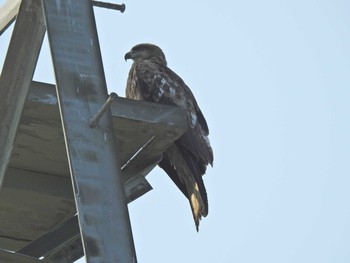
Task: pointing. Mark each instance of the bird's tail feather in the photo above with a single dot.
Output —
(188, 179)
(197, 207)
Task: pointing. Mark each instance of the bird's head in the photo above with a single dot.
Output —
(142, 52)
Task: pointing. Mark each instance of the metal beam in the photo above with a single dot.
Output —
(71, 252)
(54, 240)
(10, 257)
(42, 183)
(8, 12)
(93, 161)
(61, 187)
(17, 74)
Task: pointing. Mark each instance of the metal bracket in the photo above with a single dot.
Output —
(94, 120)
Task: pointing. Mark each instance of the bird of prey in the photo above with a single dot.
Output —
(186, 160)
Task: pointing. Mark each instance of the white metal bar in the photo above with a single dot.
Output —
(8, 12)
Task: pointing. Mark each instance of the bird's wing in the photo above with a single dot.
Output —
(160, 84)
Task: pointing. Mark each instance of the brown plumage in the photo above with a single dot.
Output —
(186, 160)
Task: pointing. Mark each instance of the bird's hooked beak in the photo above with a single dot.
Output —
(128, 56)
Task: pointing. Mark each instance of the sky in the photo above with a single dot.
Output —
(272, 79)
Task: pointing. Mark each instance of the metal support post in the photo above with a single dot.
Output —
(17, 74)
(92, 154)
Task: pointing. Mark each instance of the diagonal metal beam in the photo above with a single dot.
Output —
(17, 74)
(9, 257)
(96, 176)
(8, 12)
(54, 241)
(69, 253)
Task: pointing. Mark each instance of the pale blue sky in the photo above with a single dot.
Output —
(272, 79)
